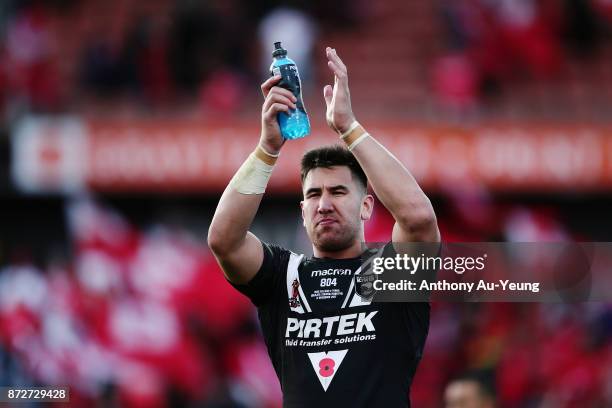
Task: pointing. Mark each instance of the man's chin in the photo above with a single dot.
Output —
(332, 244)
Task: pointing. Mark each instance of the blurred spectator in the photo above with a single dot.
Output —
(462, 23)
(297, 32)
(192, 42)
(456, 83)
(528, 35)
(533, 225)
(3, 82)
(469, 391)
(31, 75)
(222, 92)
(492, 42)
(582, 30)
(145, 60)
(344, 15)
(101, 68)
(604, 8)
(471, 33)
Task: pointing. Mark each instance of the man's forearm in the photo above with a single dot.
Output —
(240, 253)
(392, 182)
(232, 220)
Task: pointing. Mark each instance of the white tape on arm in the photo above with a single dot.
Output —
(358, 140)
(252, 177)
(350, 129)
(354, 135)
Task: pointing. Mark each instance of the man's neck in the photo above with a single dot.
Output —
(353, 251)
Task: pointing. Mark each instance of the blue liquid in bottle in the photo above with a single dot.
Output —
(295, 124)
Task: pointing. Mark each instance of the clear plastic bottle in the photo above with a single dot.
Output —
(295, 124)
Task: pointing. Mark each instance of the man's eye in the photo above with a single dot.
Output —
(339, 192)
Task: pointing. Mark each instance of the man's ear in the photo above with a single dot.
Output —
(367, 207)
(302, 208)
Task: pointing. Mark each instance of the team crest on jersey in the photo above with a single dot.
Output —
(364, 285)
(326, 364)
(294, 300)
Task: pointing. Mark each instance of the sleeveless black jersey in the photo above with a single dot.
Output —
(330, 344)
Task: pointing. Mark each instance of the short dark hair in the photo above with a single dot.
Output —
(334, 155)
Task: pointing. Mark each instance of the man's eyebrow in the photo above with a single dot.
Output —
(330, 188)
(312, 190)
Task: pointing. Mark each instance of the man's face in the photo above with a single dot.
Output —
(465, 394)
(334, 207)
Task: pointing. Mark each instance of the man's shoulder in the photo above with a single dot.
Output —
(280, 255)
(275, 248)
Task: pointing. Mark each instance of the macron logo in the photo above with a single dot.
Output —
(326, 364)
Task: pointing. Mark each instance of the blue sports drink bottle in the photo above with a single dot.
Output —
(295, 124)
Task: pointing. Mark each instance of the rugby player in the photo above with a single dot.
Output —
(330, 345)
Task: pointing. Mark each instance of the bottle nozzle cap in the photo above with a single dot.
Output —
(279, 51)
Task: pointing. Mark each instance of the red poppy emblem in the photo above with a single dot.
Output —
(326, 367)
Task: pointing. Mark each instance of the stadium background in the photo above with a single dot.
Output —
(121, 121)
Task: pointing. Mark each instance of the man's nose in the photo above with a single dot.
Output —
(325, 204)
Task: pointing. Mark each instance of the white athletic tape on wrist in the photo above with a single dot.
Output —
(268, 153)
(350, 129)
(252, 177)
(359, 140)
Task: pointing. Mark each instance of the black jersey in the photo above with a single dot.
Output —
(330, 345)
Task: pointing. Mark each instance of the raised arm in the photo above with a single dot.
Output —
(415, 220)
(238, 251)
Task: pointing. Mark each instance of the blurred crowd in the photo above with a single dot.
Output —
(58, 53)
(493, 44)
(174, 56)
(61, 55)
(136, 318)
(532, 355)
(144, 317)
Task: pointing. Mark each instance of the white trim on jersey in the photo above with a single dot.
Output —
(293, 275)
(357, 300)
(350, 289)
